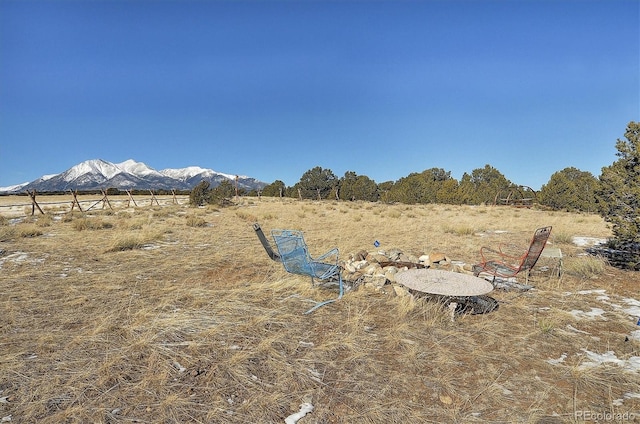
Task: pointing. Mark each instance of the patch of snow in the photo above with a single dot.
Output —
(618, 402)
(557, 361)
(305, 408)
(188, 172)
(572, 328)
(595, 291)
(593, 313)
(634, 306)
(93, 166)
(137, 168)
(191, 171)
(631, 364)
(587, 241)
(635, 335)
(20, 257)
(13, 187)
(14, 257)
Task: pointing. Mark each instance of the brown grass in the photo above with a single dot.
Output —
(175, 314)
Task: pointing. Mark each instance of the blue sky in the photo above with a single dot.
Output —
(271, 89)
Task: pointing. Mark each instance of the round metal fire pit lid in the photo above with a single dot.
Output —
(446, 283)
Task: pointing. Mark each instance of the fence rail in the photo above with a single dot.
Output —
(51, 203)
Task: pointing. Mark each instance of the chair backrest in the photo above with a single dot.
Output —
(538, 243)
(293, 251)
(265, 243)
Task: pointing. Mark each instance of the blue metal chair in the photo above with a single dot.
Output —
(294, 255)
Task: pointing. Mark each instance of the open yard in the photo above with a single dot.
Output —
(167, 313)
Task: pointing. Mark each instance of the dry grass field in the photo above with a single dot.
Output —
(173, 314)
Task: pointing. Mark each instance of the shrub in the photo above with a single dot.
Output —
(195, 221)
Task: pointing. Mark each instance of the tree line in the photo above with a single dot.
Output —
(569, 189)
(615, 194)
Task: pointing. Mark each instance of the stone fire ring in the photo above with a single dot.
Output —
(445, 283)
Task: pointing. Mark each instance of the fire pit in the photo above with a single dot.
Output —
(444, 283)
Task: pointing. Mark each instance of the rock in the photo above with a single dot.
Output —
(366, 268)
(361, 264)
(394, 254)
(457, 268)
(373, 269)
(404, 257)
(369, 286)
(391, 269)
(444, 265)
(361, 255)
(355, 276)
(400, 291)
(390, 276)
(376, 257)
(377, 281)
(437, 257)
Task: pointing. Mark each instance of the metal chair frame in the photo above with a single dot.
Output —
(508, 260)
(293, 253)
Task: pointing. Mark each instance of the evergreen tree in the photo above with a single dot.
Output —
(316, 183)
(570, 189)
(357, 187)
(619, 191)
(200, 194)
(384, 190)
(483, 186)
(448, 192)
(420, 188)
(275, 189)
(223, 193)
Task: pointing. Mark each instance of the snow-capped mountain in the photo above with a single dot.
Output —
(129, 175)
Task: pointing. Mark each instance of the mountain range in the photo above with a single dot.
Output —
(129, 175)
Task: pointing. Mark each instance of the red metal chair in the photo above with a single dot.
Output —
(508, 260)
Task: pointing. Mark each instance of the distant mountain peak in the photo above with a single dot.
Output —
(100, 174)
(93, 166)
(137, 168)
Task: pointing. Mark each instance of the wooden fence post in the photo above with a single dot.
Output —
(34, 204)
(105, 199)
(153, 198)
(75, 201)
(131, 199)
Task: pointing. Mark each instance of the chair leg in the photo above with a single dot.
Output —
(326, 302)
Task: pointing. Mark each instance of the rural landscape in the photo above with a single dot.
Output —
(166, 312)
